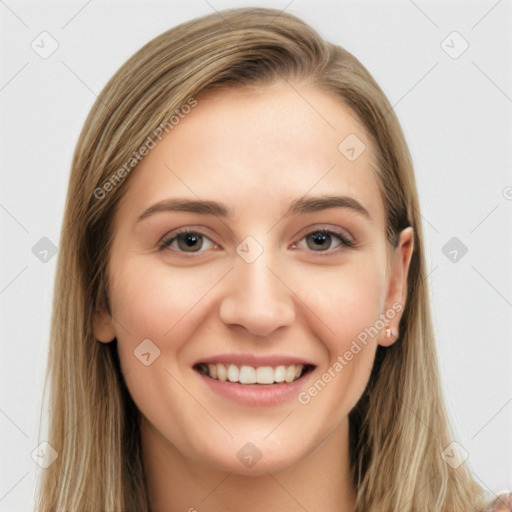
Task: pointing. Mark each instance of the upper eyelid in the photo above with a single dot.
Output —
(325, 227)
(185, 229)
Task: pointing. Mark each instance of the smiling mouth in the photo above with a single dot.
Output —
(246, 375)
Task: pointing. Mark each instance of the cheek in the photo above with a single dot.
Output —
(162, 304)
(157, 310)
(346, 301)
(154, 301)
(345, 314)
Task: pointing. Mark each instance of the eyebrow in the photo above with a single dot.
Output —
(297, 207)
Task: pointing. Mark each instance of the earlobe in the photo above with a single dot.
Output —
(103, 327)
(397, 288)
(390, 336)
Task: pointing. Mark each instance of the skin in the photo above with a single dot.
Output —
(254, 151)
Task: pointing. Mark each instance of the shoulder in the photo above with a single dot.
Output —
(502, 503)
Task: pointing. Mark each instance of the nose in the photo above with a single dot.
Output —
(256, 298)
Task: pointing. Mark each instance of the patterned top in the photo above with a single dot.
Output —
(503, 503)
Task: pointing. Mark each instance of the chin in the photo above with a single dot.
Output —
(253, 459)
(260, 468)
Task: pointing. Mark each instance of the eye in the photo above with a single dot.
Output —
(324, 240)
(190, 241)
(186, 240)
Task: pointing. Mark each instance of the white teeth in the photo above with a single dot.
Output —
(221, 372)
(265, 375)
(233, 373)
(280, 373)
(247, 375)
(290, 374)
(250, 375)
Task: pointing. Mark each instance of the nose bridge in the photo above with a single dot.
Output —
(253, 261)
(258, 280)
(255, 297)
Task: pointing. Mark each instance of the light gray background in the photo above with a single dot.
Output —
(456, 114)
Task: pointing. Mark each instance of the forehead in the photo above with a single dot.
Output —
(272, 145)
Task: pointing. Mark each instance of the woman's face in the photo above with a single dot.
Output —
(284, 274)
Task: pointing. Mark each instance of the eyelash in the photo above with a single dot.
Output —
(169, 239)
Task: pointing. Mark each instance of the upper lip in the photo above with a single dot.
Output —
(255, 361)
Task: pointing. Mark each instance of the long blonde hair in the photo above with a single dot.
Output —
(399, 428)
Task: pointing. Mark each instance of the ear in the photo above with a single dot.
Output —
(397, 285)
(103, 327)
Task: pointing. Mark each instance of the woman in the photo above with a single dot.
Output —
(241, 313)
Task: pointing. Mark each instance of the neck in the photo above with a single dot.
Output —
(320, 481)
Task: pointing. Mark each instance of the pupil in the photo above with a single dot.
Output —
(321, 240)
(188, 241)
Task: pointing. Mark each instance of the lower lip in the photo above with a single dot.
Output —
(256, 394)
